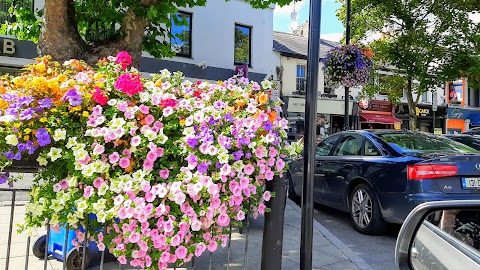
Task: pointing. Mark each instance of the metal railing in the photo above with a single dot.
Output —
(81, 259)
(301, 86)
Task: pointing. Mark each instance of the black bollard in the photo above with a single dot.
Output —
(273, 227)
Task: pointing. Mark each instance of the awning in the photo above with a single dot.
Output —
(378, 118)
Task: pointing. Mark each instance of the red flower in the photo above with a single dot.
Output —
(169, 103)
(197, 94)
(129, 84)
(124, 59)
(99, 97)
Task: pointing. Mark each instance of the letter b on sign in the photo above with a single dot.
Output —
(8, 46)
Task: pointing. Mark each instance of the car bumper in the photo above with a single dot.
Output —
(396, 207)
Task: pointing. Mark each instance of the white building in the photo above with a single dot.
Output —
(206, 45)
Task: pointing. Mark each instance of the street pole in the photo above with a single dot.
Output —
(346, 119)
(306, 240)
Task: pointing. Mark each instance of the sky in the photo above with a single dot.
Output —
(331, 27)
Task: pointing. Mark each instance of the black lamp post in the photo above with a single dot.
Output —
(310, 134)
(346, 121)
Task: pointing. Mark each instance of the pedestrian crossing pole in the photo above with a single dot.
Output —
(306, 241)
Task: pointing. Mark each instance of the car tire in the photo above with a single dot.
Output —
(291, 194)
(365, 212)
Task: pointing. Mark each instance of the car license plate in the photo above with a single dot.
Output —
(471, 183)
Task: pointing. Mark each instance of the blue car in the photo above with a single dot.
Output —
(380, 176)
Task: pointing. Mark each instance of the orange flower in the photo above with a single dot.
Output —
(272, 116)
(262, 98)
(367, 52)
(240, 102)
(256, 114)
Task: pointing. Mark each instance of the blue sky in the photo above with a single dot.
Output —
(330, 26)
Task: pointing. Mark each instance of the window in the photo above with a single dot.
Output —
(370, 149)
(5, 15)
(425, 97)
(349, 146)
(324, 148)
(243, 45)
(301, 79)
(327, 89)
(182, 33)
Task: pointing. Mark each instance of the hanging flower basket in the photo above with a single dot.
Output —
(349, 66)
(165, 164)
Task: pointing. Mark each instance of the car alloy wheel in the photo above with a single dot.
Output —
(362, 208)
(365, 211)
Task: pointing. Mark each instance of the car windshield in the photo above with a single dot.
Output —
(408, 142)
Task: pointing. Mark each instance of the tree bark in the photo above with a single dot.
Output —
(412, 116)
(60, 38)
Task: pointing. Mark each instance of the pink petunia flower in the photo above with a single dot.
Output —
(114, 158)
(164, 174)
(124, 162)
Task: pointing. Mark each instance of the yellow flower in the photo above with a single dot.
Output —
(17, 125)
(182, 122)
(85, 114)
(39, 81)
(100, 84)
(43, 119)
(40, 67)
(220, 82)
(26, 138)
(62, 77)
(53, 110)
(18, 80)
(27, 131)
(98, 76)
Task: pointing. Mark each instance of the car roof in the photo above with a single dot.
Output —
(383, 132)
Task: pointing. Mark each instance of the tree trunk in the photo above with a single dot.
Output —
(412, 116)
(60, 37)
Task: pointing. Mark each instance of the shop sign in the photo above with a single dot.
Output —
(379, 107)
(364, 104)
(455, 92)
(241, 71)
(275, 91)
(8, 47)
(422, 111)
(456, 113)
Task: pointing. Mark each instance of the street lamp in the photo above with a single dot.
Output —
(346, 121)
(306, 240)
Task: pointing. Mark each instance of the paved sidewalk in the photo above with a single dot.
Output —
(329, 253)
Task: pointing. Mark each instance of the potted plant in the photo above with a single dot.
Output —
(166, 165)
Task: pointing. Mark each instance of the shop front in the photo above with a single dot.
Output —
(462, 119)
(377, 114)
(329, 116)
(425, 117)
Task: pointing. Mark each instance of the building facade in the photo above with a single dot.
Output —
(220, 40)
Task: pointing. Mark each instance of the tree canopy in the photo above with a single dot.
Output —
(424, 42)
(64, 28)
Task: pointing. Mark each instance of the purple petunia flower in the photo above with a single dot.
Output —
(9, 97)
(4, 177)
(24, 101)
(9, 155)
(202, 167)
(192, 142)
(73, 97)
(228, 117)
(43, 137)
(22, 147)
(237, 155)
(218, 165)
(17, 156)
(248, 155)
(27, 114)
(45, 103)
(267, 126)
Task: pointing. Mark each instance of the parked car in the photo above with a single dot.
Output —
(469, 140)
(473, 131)
(380, 176)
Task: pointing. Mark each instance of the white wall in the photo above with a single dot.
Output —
(213, 35)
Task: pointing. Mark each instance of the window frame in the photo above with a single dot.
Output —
(337, 137)
(342, 141)
(367, 140)
(190, 26)
(250, 28)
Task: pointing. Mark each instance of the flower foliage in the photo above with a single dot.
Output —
(348, 66)
(166, 165)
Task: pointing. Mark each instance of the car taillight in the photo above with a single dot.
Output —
(428, 171)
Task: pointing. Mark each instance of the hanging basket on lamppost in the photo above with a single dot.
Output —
(348, 65)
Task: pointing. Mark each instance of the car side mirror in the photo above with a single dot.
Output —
(440, 235)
